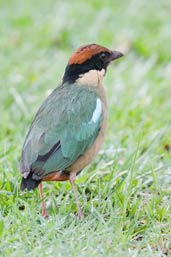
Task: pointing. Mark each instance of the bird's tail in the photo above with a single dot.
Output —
(29, 183)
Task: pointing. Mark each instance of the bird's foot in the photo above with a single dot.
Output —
(72, 181)
(80, 214)
(44, 214)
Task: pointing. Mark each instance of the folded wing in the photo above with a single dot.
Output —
(65, 126)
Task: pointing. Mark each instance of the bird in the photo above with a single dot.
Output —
(69, 127)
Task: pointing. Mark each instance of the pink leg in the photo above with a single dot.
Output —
(72, 181)
(44, 213)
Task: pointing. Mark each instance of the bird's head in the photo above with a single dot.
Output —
(88, 64)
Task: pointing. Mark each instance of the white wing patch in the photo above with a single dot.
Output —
(97, 112)
(88, 128)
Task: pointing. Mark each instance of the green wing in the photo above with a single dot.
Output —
(65, 126)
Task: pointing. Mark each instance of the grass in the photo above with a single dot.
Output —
(126, 192)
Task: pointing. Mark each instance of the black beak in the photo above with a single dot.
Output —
(114, 55)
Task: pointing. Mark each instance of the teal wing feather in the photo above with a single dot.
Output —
(65, 126)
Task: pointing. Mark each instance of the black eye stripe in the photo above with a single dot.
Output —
(97, 61)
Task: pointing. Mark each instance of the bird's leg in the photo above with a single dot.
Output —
(44, 213)
(72, 181)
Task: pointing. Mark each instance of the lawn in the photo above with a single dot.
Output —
(126, 192)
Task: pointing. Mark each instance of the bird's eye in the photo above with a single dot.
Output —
(102, 56)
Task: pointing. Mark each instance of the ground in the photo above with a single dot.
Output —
(126, 192)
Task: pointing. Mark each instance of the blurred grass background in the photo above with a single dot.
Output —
(126, 192)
